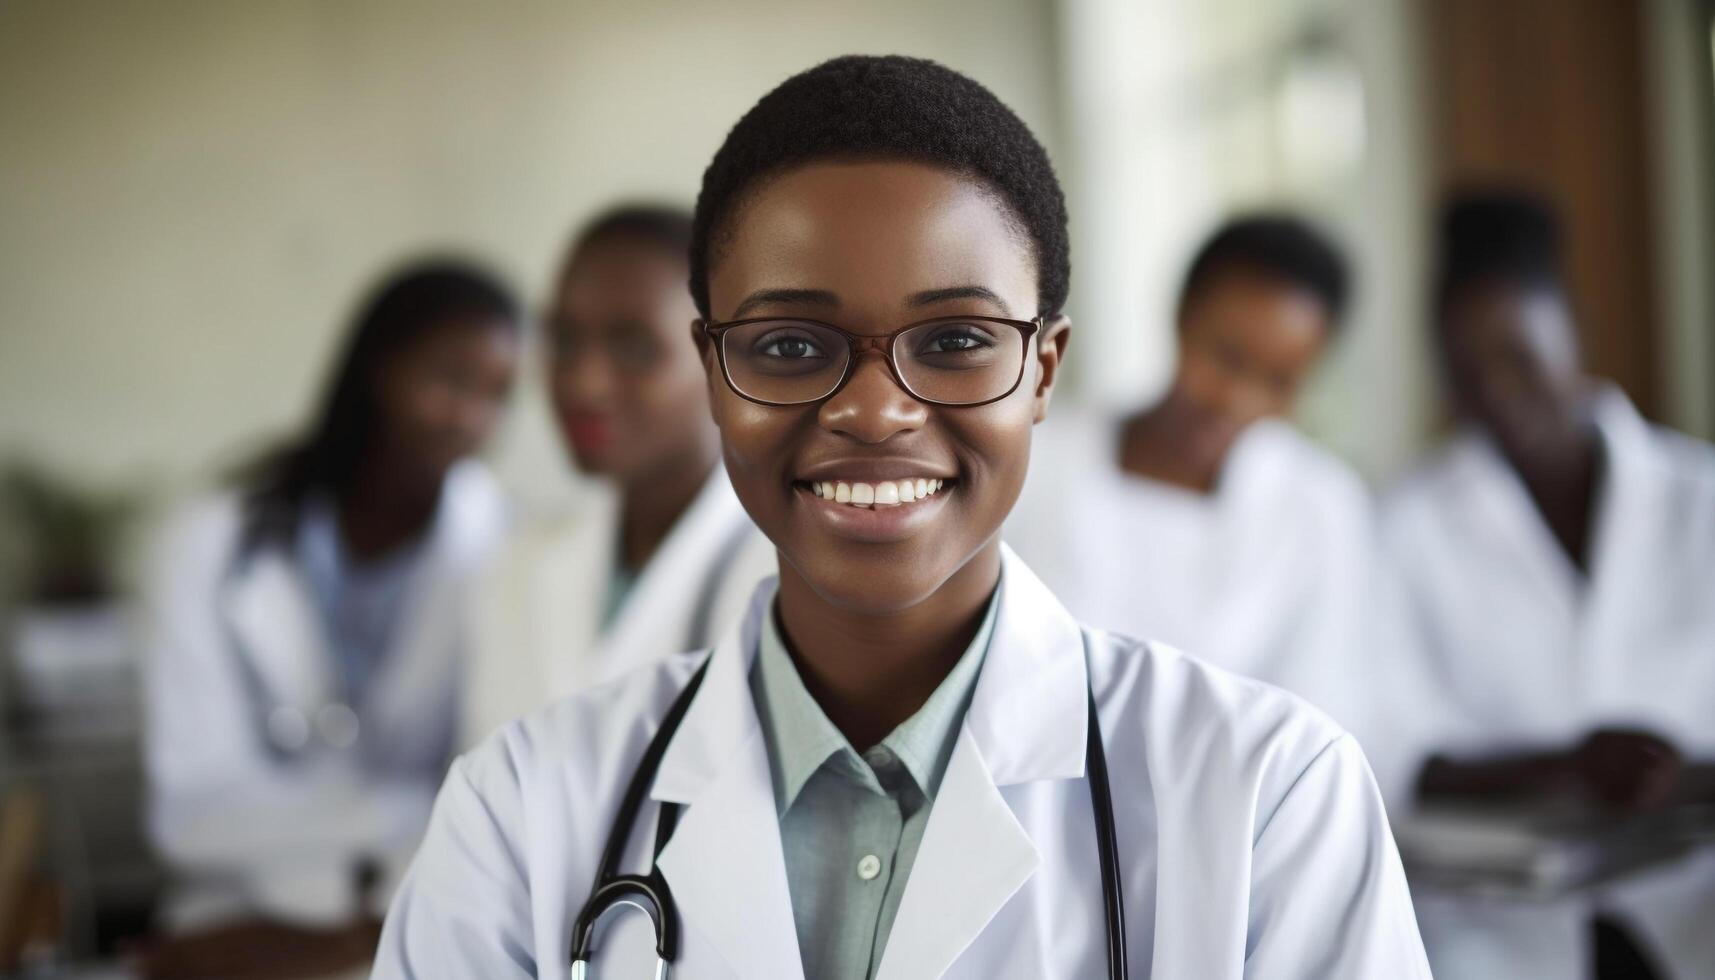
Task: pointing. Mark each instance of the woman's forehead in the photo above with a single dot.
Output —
(874, 234)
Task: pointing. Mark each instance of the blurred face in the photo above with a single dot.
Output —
(1246, 343)
(1512, 362)
(628, 390)
(441, 397)
(871, 247)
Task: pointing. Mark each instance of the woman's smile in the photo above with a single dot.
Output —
(875, 510)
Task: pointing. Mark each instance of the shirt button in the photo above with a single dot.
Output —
(868, 867)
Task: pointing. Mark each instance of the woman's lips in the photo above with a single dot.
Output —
(588, 433)
(874, 511)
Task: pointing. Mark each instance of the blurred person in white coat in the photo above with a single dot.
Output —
(1207, 520)
(893, 766)
(304, 630)
(1559, 562)
(659, 556)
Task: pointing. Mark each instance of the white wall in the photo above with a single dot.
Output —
(193, 194)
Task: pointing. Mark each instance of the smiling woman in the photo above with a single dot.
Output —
(893, 768)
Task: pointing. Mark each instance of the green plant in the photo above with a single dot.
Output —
(69, 535)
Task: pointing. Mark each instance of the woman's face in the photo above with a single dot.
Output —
(1246, 344)
(441, 397)
(628, 392)
(871, 247)
(1511, 355)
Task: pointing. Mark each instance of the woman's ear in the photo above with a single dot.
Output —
(706, 351)
(1050, 354)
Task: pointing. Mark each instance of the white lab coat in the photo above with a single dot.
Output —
(538, 632)
(247, 825)
(1521, 651)
(1268, 575)
(1252, 840)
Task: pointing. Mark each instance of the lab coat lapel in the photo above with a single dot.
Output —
(725, 864)
(975, 855)
(1502, 503)
(426, 648)
(1625, 539)
(278, 630)
(570, 595)
(657, 615)
(1026, 723)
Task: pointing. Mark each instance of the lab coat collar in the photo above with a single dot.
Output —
(469, 520)
(279, 629)
(725, 863)
(1624, 496)
(1027, 713)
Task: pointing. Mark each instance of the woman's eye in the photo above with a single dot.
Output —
(957, 339)
(788, 347)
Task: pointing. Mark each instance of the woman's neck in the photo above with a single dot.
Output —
(1157, 444)
(1561, 479)
(869, 671)
(651, 505)
(383, 511)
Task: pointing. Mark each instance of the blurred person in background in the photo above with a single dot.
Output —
(1207, 520)
(663, 558)
(305, 639)
(1559, 561)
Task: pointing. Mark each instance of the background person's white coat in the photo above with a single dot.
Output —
(244, 831)
(1252, 839)
(1268, 575)
(1522, 651)
(538, 619)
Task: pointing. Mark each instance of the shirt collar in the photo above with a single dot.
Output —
(801, 739)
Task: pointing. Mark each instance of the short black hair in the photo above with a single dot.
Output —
(1496, 235)
(1279, 246)
(890, 107)
(663, 225)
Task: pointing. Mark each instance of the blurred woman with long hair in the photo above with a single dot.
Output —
(304, 623)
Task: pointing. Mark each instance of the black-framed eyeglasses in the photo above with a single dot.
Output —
(949, 360)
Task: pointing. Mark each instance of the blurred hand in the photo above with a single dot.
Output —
(1627, 769)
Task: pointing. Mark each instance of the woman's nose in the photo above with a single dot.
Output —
(872, 407)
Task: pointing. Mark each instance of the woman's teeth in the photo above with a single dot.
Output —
(888, 493)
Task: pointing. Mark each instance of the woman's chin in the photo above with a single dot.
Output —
(874, 586)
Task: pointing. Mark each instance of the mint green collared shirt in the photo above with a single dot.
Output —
(850, 823)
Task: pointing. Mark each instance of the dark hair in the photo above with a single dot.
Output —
(1496, 235)
(661, 225)
(863, 107)
(414, 301)
(1279, 246)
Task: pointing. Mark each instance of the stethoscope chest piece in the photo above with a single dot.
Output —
(291, 729)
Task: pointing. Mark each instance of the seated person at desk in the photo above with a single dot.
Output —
(662, 557)
(1206, 519)
(304, 636)
(1558, 559)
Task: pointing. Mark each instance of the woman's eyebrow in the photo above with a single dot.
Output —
(762, 297)
(930, 296)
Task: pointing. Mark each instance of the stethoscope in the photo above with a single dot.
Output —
(648, 893)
